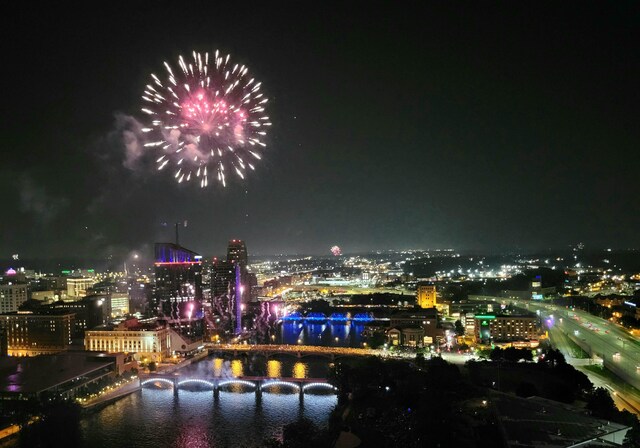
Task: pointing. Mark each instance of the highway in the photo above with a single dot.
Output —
(619, 350)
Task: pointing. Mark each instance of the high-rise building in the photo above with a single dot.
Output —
(178, 279)
(222, 277)
(119, 304)
(237, 253)
(12, 295)
(426, 295)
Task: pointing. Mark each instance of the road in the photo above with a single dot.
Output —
(619, 350)
(613, 345)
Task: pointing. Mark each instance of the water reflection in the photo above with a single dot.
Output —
(339, 334)
(237, 368)
(300, 370)
(274, 368)
(154, 417)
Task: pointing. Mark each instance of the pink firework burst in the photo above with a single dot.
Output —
(206, 119)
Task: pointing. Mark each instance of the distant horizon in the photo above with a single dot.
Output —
(89, 263)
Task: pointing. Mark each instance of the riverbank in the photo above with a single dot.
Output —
(134, 385)
(111, 396)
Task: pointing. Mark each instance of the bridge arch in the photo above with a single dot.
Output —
(196, 381)
(154, 380)
(325, 386)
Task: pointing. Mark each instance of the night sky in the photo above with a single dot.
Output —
(395, 126)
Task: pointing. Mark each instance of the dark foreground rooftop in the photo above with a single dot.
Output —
(33, 375)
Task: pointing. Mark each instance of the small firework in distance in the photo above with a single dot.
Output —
(206, 119)
(336, 251)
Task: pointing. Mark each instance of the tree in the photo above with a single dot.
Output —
(552, 357)
(459, 328)
(601, 405)
(377, 339)
(152, 366)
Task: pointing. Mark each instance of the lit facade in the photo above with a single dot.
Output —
(504, 328)
(12, 295)
(178, 279)
(426, 295)
(237, 252)
(77, 287)
(119, 304)
(30, 334)
(146, 344)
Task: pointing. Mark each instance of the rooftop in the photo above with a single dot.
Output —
(32, 375)
(537, 422)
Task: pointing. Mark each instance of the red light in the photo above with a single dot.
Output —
(162, 263)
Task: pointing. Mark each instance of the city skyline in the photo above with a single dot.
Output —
(512, 129)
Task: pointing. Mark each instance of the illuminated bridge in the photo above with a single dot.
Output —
(299, 351)
(257, 384)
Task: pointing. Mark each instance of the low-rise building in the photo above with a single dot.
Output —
(406, 336)
(147, 342)
(63, 375)
(30, 334)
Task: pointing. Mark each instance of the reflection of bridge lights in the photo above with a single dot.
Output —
(280, 383)
(242, 382)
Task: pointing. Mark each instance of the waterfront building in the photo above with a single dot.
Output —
(426, 319)
(30, 334)
(146, 342)
(66, 374)
(406, 336)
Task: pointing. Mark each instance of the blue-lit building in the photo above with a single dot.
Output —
(178, 281)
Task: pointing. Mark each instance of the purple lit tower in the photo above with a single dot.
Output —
(238, 294)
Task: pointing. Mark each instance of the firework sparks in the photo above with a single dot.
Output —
(336, 251)
(207, 119)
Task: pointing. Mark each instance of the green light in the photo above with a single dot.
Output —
(486, 317)
(66, 272)
(91, 270)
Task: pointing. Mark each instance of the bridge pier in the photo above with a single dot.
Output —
(301, 393)
(216, 391)
(175, 387)
(259, 391)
